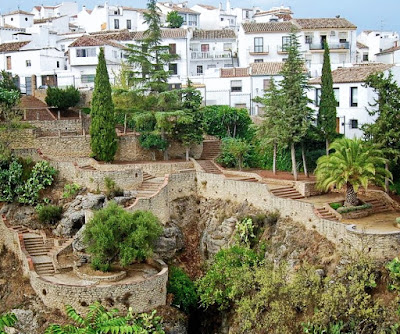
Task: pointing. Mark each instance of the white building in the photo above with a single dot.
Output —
(59, 24)
(389, 56)
(191, 18)
(17, 19)
(377, 41)
(216, 18)
(210, 49)
(63, 9)
(274, 14)
(353, 97)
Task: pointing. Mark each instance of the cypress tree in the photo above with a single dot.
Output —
(327, 108)
(103, 138)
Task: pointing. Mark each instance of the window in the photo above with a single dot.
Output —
(8, 62)
(317, 96)
(266, 84)
(258, 44)
(205, 47)
(258, 60)
(199, 69)
(354, 124)
(247, 15)
(116, 23)
(58, 64)
(336, 91)
(227, 46)
(285, 42)
(87, 78)
(236, 85)
(365, 57)
(86, 52)
(115, 54)
(172, 49)
(26, 19)
(343, 37)
(222, 19)
(353, 96)
(62, 47)
(192, 20)
(173, 69)
(28, 63)
(128, 24)
(309, 39)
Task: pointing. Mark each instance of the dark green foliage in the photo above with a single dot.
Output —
(354, 208)
(326, 120)
(9, 97)
(99, 320)
(62, 98)
(103, 138)
(114, 233)
(393, 268)
(49, 214)
(225, 121)
(112, 190)
(24, 184)
(71, 190)
(336, 206)
(7, 320)
(234, 150)
(153, 141)
(150, 58)
(7, 81)
(183, 289)
(174, 19)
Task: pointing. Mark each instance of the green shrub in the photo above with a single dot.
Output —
(62, 98)
(398, 220)
(152, 142)
(50, 214)
(395, 187)
(354, 208)
(71, 190)
(111, 188)
(234, 152)
(335, 206)
(245, 231)
(183, 289)
(393, 268)
(86, 111)
(116, 234)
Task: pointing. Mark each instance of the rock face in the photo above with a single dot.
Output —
(78, 245)
(74, 216)
(217, 235)
(170, 242)
(23, 215)
(26, 324)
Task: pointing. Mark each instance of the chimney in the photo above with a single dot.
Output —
(220, 6)
(228, 6)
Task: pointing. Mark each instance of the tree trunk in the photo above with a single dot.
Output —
(153, 155)
(387, 179)
(327, 146)
(187, 153)
(166, 154)
(274, 159)
(240, 163)
(303, 155)
(351, 196)
(294, 167)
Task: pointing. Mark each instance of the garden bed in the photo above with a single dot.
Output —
(352, 212)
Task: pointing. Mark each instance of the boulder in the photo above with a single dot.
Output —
(170, 242)
(77, 244)
(92, 201)
(27, 322)
(71, 222)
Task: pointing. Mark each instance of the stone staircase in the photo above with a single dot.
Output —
(379, 205)
(35, 109)
(149, 186)
(325, 214)
(243, 179)
(209, 166)
(147, 176)
(287, 192)
(211, 149)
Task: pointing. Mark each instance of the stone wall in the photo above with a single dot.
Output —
(85, 101)
(307, 189)
(72, 126)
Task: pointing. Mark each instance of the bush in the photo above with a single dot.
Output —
(183, 289)
(62, 98)
(111, 188)
(234, 152)
(50, 214)
(335, 206)
(152, 141)
(354, 208)
(393, 268)
(116, 234)
(398, 220)
(70, 190)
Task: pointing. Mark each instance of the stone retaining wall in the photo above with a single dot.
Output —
(62, 125)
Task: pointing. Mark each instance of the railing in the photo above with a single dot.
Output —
(211, 55)
(258, 50)
(332, 46)
(282, 48)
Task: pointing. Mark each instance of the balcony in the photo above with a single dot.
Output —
(210, 55)
(259, 51)
(332, 46)
(282, 49)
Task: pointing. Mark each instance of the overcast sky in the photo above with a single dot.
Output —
(366, 14)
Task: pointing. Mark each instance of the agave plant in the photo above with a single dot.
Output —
(353, 164)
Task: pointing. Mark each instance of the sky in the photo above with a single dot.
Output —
(365, 14)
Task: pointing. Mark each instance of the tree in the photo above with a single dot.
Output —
(326, 119)
(269, 131)
(174, 19)
(101, 321)
(62, 99)
(150, 59)
(385, 131)
(103, 138)
(353, 164)
(115, 233)
(237, 148)
(152, 141)
(295, 110)
(7, 320)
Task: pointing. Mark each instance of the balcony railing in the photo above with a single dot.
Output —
(259, 50)
(332, 46)
(211, 55)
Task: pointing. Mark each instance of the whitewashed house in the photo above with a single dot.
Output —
(376, 42)
(389, 56)
(58, 24)
(362, 53)
(191, 18)
(63, 9)
(216, 17)
(274, 14)
(17, 19)
(353, 97)
(210, 49)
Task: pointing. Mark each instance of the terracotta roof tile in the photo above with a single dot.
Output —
(267, 68)
(126, 35)
(209, 7)
(357, 73)
(361, 46)
(94, 41)
(255, 28)
(214, 34)
(13, 46)
(234, 72)
(390, 50)
(18, 12)
(178, 8)
(140, 10)
(323, 23)
(48, 19)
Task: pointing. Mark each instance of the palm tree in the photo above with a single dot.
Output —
(7, 320)
(101, 321)
(353, 164)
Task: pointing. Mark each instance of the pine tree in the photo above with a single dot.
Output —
(150, 58)
(103, 138)
(296, 113)
(326, 120)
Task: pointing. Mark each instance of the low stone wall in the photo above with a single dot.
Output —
(85, 101)
(307, 189)
(73, 126)
(65, 146)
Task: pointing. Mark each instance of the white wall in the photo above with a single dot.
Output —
(18, 20)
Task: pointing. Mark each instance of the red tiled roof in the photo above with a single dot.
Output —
(18, 12)
(264, 27)
(323, 23)
(267, 68)
(234, 72)
(390, 50)
(13, 46)
(94, 41)
(214, 34)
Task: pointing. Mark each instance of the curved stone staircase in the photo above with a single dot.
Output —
(287, 192)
